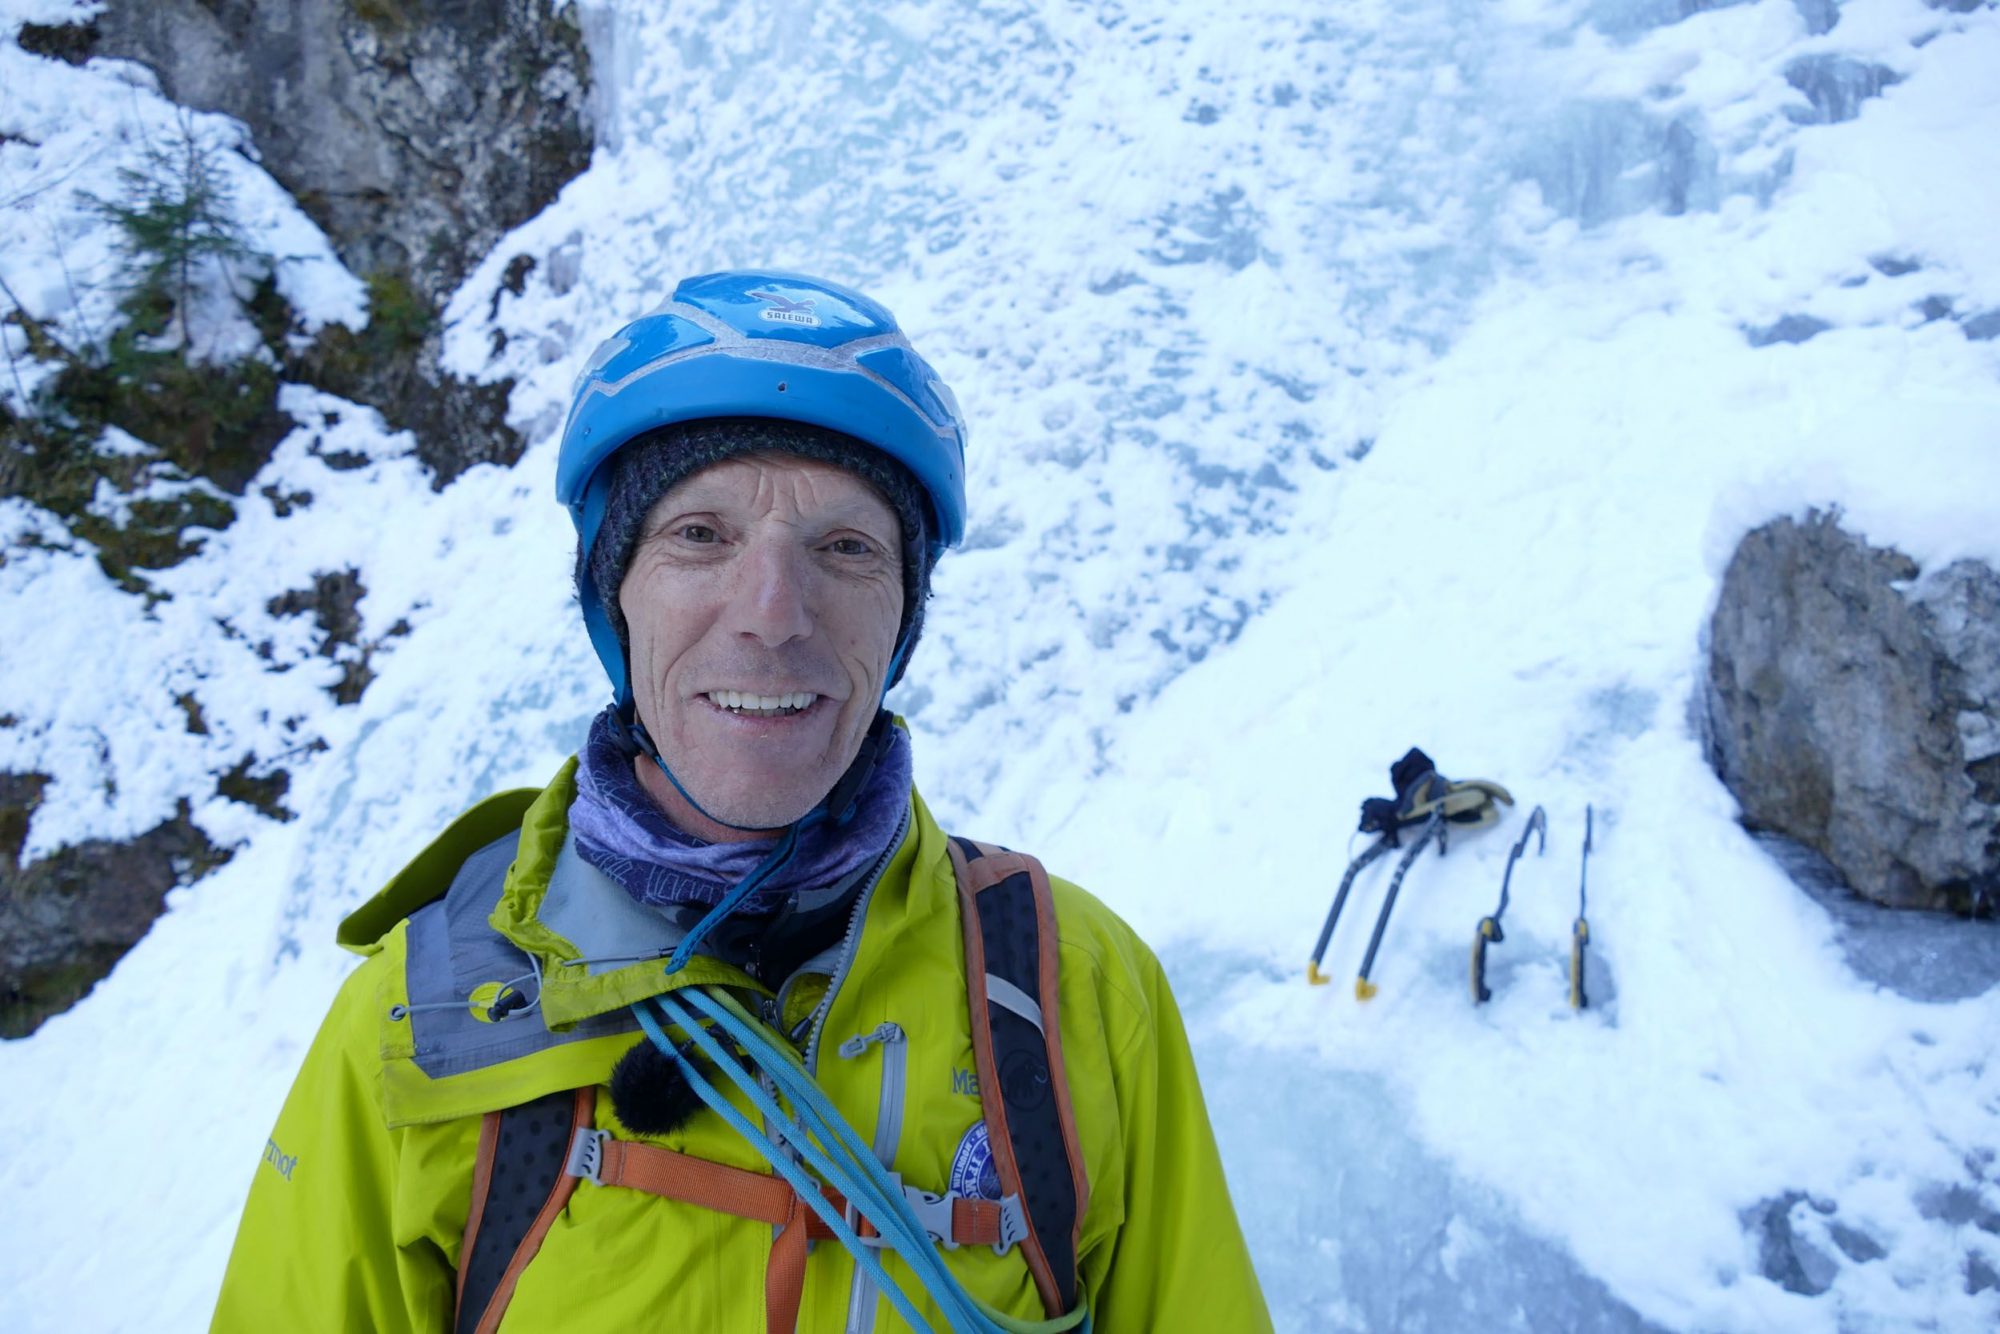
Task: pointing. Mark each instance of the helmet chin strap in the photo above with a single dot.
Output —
(637, 741)
(841, 799)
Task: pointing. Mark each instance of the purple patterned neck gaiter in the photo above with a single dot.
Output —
(621, 832)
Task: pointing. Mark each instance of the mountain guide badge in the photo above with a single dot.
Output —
(972, 1170)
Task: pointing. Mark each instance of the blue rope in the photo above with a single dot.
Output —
(795, 1084)
(902, 1231)
(861, 1179)
(895, 1234)
(891, 1212)
(800, 1181)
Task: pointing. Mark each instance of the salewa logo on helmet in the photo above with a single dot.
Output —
(784, 310)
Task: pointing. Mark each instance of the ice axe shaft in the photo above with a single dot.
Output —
(1354, 868)
(1488, 930)
(1363, 988)
(1579, 932)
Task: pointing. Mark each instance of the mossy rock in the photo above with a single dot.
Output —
(457, 423)
(66, 919)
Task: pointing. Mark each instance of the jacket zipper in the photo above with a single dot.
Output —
(888, 1130)
(817, 1022)
(848, 943)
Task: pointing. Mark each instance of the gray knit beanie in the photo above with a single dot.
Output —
(650, 465)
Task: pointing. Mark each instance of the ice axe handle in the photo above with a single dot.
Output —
(1488, 930)
(1579, 936)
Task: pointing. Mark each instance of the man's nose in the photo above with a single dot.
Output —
(772, 598)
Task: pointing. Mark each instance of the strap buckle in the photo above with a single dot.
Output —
(586, 1155)
(1013, 1224)
(858, 1223)
(934, 1212)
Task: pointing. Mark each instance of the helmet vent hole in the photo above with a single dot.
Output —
(781, 386)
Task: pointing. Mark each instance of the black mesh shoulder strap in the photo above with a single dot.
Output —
(519, 1185)
(1011, 980)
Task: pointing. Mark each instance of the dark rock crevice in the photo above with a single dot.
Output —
(415, 134)
(334, 601)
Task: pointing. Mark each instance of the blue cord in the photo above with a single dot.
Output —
(848, 790)
(817, 1145)
(873, 1191)
(808, 1189)
(895, 1235)
(774, 861)
(815, 1105)
(903, 1230)
(813, 1145)
(895, 1228)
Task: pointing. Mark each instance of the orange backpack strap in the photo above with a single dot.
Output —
(529, 1147)
(1011, 979)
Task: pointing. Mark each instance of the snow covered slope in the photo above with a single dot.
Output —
(1343, 377)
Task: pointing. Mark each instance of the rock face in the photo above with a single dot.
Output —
(1854, 706)
(415, 132)
(65, 920)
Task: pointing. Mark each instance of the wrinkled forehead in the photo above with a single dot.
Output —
(778, 485)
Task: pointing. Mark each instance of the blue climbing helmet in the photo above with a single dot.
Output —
(751, 343)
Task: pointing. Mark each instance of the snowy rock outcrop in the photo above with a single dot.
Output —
(66, 919)
(1854, 705)
(414, 135)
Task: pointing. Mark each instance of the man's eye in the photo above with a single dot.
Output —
(849, 546)
(697, 532)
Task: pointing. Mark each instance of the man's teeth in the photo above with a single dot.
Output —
(762, 706)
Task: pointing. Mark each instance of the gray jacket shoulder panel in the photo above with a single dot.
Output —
(590, 910)
(452, 952)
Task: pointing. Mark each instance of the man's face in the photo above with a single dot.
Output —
(760, 584)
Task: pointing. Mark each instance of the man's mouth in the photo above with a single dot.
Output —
(745, 705)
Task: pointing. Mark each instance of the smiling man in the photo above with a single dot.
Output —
(763, 600)
(719, 1031)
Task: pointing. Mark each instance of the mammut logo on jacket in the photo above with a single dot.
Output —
(277, 1158)
(966, 1082)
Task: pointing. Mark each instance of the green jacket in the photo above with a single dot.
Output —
(357, 1214)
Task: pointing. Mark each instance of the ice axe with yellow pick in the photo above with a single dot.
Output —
(1488, 931)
